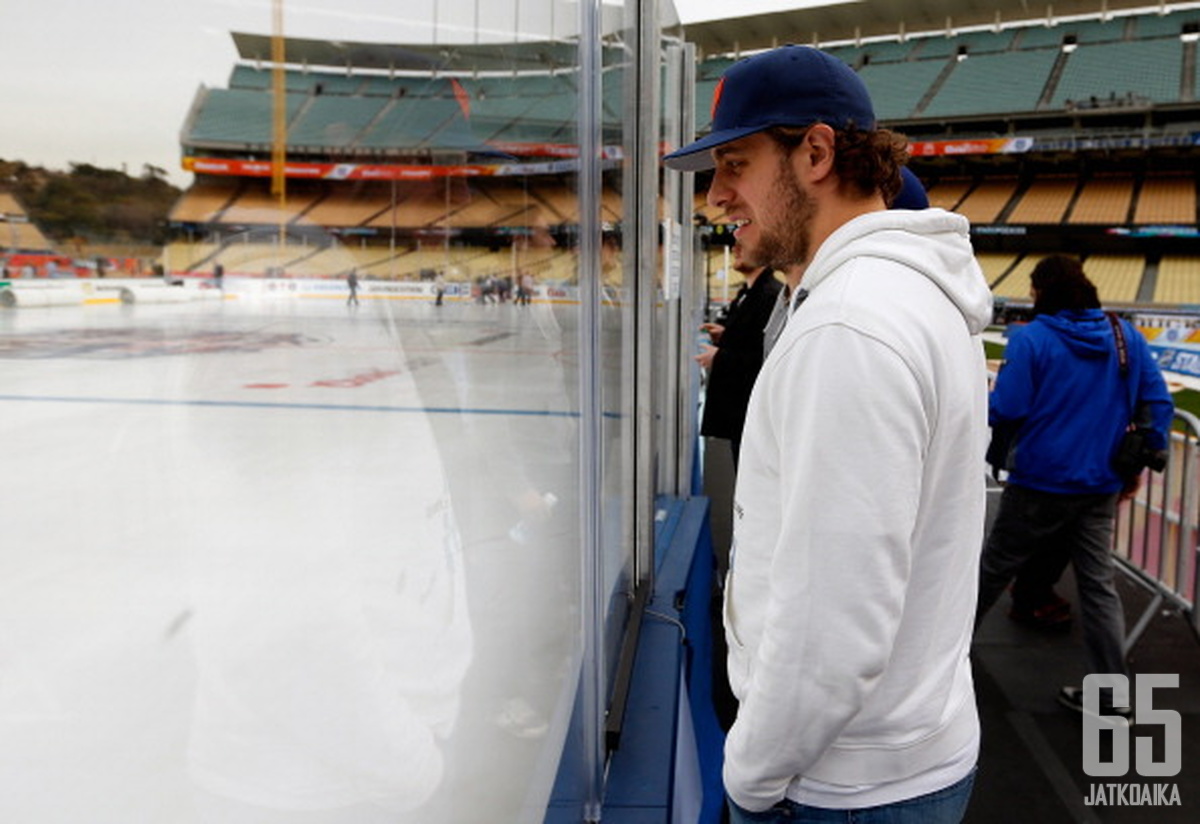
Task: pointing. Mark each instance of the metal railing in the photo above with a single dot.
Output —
(1157, 536)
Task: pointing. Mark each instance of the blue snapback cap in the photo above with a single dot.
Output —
(786, 86)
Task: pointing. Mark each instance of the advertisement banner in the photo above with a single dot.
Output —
(1178, 359)
(232, 167)
(982, 146)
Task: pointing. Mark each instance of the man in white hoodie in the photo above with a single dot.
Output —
(859, 505)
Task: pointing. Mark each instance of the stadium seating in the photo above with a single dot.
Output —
(350, 205)
(256, 205)
(887, 51)
(928, 78)
(9, 206)
(947, 194)
(1045, 202)
(331, 122)
(974, 43)
(898, 88)
(204, 202)
(986, 201)
(1015, 283)
(257, 257)
(1083, 31)
(1163, 25)
(17, 233)
(187, 256)
(23, 236)
(1117, 277)
(414, 122)
(1103, 200)
(419, 205)
(1178, 281)
(995, 265)
(494, 209)
(921, 81)
(969, 73)
(1128, 71)
(237, 116)
(1167, 200)
(558, 200)
(991, 83)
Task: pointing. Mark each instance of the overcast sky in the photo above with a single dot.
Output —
(109, 83)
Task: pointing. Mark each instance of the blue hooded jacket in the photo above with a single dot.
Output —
(1061, 381)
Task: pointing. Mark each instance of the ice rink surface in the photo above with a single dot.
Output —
(258, 561)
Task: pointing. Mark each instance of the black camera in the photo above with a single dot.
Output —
(1135, 454)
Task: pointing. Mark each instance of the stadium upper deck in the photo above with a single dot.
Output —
(1075, 66)
(1086, 71)
(1079, 136)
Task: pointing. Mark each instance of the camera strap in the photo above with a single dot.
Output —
(1122, 348)
(1139, 414)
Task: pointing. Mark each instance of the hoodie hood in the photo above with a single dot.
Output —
(1086, 332)
(934, 242)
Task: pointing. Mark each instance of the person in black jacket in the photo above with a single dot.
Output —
(736, 354)
(733, 362)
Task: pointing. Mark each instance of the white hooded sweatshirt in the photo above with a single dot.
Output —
(858, 523)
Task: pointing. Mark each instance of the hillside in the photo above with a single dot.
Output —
(90, 205)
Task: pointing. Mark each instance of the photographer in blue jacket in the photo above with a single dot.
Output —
(1073, 383)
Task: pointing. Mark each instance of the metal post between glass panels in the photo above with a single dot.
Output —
(651, 370)
(592, 681)
(680, 126)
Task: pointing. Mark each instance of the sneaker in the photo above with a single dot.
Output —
(1072, 698)
(1054, 616)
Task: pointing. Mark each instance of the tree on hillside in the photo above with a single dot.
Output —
(101, 205)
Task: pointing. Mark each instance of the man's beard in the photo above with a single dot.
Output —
(785, 240)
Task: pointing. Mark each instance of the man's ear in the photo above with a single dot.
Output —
(816, 152)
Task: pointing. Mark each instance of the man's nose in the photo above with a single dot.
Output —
(718, 192)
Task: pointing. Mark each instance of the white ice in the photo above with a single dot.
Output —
(256, 562)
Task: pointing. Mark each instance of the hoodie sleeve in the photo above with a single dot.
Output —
(839, 568)
(1153, 398)
(1012, 395)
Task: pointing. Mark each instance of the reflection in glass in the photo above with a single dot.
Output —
(273, 554)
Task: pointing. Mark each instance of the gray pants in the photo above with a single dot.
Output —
(1029, 522)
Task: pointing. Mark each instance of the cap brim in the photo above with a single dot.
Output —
(697, 157)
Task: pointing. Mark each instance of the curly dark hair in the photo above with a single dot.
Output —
(867, 161)
(1059, 283)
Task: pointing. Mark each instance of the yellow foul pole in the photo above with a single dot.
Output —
(278, 118)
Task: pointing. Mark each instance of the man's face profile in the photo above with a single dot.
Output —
(756, 187)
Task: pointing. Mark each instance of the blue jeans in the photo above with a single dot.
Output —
(947, 806)
(1030, 523)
